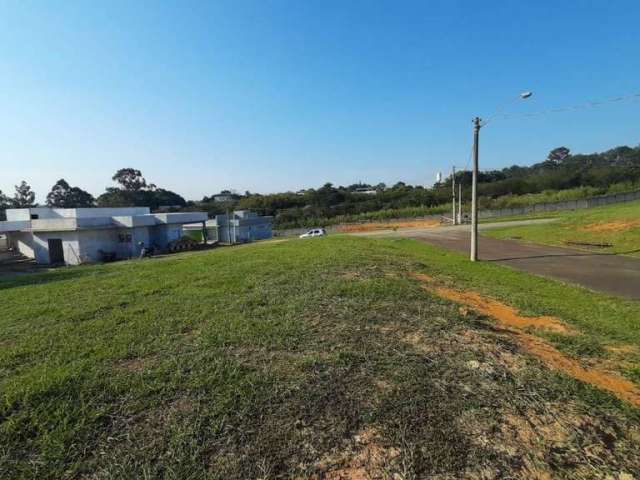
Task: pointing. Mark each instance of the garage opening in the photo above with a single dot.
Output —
(56, 252)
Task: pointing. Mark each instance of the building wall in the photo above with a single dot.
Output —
(18, 214)
(22, 242)
(87, 246)
(162, 235)
(244, 233)
(117, 241)
(110, 212)
(70, 247)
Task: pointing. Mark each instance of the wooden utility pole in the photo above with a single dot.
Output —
(474, 191)
(453, 196)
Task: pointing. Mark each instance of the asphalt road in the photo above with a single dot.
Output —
(609, 273)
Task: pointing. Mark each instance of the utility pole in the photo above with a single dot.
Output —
(474, 191)
(460, 203)
(453, 196)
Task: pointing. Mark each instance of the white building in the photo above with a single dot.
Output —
(79, 235)
(241, 226)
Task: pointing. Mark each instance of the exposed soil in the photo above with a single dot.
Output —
(366, 460)
(136, 364)
(506, 315)
(368, 227)
(514, 323)
(612, 227)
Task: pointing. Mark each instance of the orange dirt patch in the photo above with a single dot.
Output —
(368, 227)
(619, 386)
(611, 227)
(507, 316)
(514, 323)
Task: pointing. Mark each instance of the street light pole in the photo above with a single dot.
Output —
(477, 123)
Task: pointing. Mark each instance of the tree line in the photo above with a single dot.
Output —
(131, 189)
(617, 169)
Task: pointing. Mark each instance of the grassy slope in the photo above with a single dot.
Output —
(263, 360)
(571, 225)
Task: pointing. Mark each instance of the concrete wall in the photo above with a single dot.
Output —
(94, 242)
(22, 242)
(242, 233)
(125, 242)
(70, 247)
(111, 212)
(18, 214)
(45, 213)
(87, 246)
(162, 235)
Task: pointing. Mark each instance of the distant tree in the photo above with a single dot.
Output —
(130, 180)
(161, 197)
(62, 195)
(24, 196)
(5, 203)
(134, 190)
(557, 155)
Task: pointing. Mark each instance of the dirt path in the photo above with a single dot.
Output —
(517, 325)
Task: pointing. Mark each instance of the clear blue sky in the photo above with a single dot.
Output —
(275, 95)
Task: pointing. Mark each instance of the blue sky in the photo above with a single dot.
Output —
(273, 95)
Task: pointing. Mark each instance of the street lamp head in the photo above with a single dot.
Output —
(525, 95)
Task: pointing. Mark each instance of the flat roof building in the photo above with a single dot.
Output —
(82, 235)
(241, 226)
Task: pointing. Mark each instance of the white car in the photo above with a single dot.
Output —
(314, 232)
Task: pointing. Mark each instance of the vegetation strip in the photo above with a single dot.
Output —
(511, 321)
(612, 229)
(367, 227)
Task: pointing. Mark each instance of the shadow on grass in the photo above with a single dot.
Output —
(10, 280)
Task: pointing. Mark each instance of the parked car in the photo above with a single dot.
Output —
(314, 232)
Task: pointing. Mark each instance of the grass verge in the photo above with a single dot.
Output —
(317, 359)
(618, 225)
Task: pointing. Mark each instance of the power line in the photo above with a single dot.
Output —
(581, 106)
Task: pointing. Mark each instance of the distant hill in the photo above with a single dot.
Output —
(561, 176)
(562, 170)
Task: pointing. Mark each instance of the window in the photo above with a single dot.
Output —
(124, 237)
(35, 216)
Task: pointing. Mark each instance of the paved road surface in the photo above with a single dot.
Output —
(614, 274)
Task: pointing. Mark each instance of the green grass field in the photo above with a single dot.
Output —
(618, 225)
(302, 359)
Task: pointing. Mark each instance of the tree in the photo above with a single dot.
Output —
(5, 203)
(62, 195)
(557, 155)
(24, 196)
(130, 180)
(135, 191)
